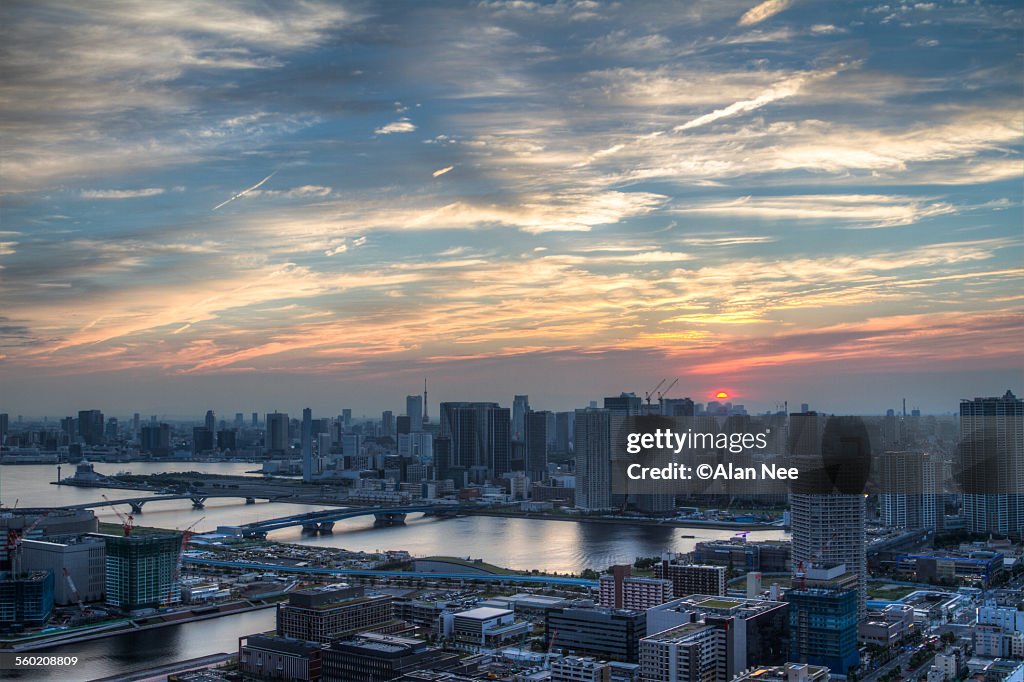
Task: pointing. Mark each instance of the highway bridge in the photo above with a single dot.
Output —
(323, 521)
(198, 500)
(479, 577)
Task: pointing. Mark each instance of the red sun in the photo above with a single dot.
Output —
(721, 395)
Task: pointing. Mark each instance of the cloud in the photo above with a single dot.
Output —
(120, 193)
(763, 11)
(402, 125)
(864, 210)
(441, 171)
(781, 90)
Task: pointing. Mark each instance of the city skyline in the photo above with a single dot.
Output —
(320, 204)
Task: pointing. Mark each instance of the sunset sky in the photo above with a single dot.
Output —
(247, 206)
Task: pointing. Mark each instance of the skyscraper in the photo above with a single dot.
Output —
(307, 445)
(480, 438)
(536, 437)
(211, 421)
(276, 439)
(909, 484)
(593, 459)
(414, 410)
(828, 526)
(520, 407)
(90, 426)
(992, 464)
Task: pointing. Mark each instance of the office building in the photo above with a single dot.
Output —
(373, 656)
(280, 658)
(414, 410)
(309, 470)
(520, 408)
(823, 627)
(536, 437)
(387, 424)
(484, 627)
(992, 465)
(276, 439)
(140, 570)
(691, 578)
(26, 598)
(202, 439)
(227, 439)
(623, 405)
(621, 590)
(745, 632)
(210, 422)
(90, 427)
(329, 612)
(480, 435)
(82, 559)
(563, 432)
(609, 634)
(593, 436)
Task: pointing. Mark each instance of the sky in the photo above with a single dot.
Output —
(251, 206)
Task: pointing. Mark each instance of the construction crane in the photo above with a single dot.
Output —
(654, 390)
(186, 535)
(664, 393)
(14, 539)
(75, 594)
(127, 522)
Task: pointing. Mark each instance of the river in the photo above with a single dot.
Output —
(561, 546)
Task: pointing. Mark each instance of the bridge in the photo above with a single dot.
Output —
(369, 573)
(323, 521)
(198, 500)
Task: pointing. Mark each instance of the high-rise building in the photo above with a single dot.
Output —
(479, 434)
(308, 471)
(536, 437)
(691, 578)
(564, 432)
(239, 420)
(226, 439)
(330, 612)
(387, 424)
(90, 426)
(823, 627)
(520, 407)
(593, 442)
(141, 570)
(4, 425)
(909, 483)
(276, 439)
(992, 464)
(156, 439)
(621, 590)
(210, 422)
(624, 405)
(414, 410)
(255, 420)
(829, 530)
(202, 439)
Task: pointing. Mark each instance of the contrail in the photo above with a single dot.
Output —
(245, 191)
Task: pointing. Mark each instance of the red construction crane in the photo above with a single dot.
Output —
(186, 535)
(127, 522)
(14, 538)
(74, 591)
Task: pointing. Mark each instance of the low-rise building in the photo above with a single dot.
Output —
(280, 658)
